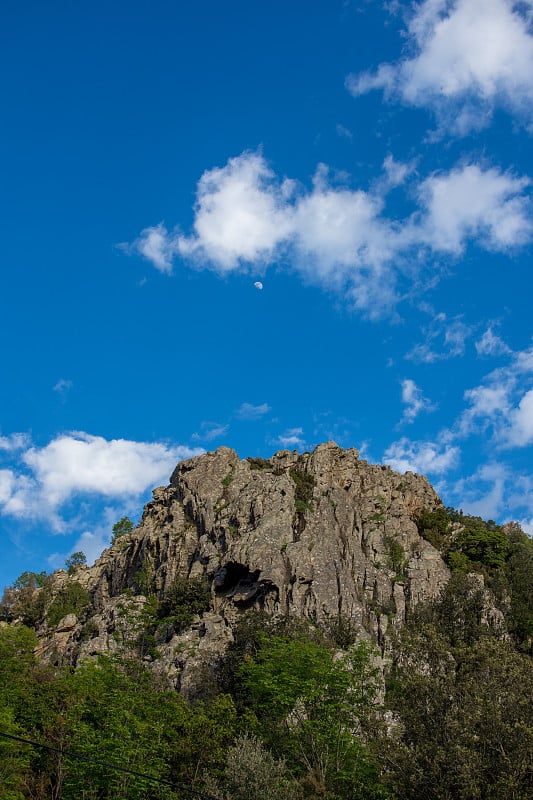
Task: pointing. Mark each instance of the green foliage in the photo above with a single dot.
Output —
(519, 580)
(305, 484)
(462, 700)
(469, 544)
(144, 578)
(17, 644)
(14, 758)
(121, 528)
(22, 600)
(227, 480)
(159, 620)
(504, 556)
(435, 526)
(252, 772)
(70, 599)
(30, 580)
(316, 707)
(115, 712)
(185, 598)
(457, 613)
(76, 560)
(482, 542)
(341, 631)
(466, 721)
(396, 558)
(259, 463)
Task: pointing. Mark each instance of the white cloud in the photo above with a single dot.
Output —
(339, 238)
(15, 441)
(527, 526)
(491, 344)
(293, 437)
(344, 132)
(469, 56)
(395, 173)
(471, 203)
(258, 285)
(484, 493)
(210, 431)
(520, 430)
(241, 214)
(502, 403)
(414, 401)
(425, 458)
(157, 246)
(63, 386)
(91, 544)
(45, 478)
(443, 339)
(249, 411)
(486, 403)
(246, 217)
(16, 492)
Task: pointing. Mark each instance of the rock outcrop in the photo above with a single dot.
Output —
(321, 535)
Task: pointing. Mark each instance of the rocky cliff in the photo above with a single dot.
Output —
(322, 535)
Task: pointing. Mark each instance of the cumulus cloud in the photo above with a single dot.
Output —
(251, 412)
(414, 401)
(336, 237)
(46, 478)
(465, 58)
(471, 203)
(241, 214)
(425, 458)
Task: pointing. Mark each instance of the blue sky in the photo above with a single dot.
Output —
(260, 227)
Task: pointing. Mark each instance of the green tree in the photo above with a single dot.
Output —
(461, 701)
(251, 772)
(317, 705)
(24, 600)
(70, 599)
(121, 528)
(14, 758)
(519, 580)
(465, 725)
(76, 560)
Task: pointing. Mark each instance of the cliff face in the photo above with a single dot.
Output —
(315, 535)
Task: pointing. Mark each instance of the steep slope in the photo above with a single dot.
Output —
(321, 535)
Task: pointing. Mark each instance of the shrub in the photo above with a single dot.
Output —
(259, 463)
(185, 598)
(305, 485)
(70, 599)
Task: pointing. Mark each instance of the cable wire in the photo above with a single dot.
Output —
(80, 757)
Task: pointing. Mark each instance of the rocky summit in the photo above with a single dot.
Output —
(321, 535)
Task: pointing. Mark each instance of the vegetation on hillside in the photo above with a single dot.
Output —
(293, 711)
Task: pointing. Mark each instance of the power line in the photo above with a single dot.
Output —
(80, 757)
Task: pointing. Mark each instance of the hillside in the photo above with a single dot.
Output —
(303, 572)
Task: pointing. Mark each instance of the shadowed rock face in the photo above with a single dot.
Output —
(316, 535)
